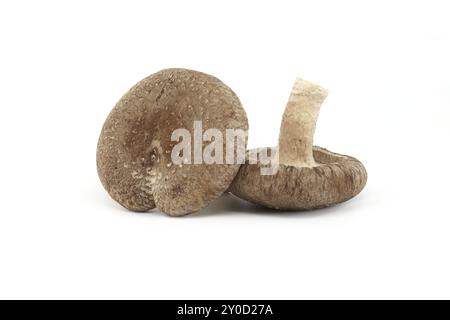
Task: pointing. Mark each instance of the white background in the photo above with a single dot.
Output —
(63, 66)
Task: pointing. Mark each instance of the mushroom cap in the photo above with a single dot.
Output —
(134, 150)
(335, 179)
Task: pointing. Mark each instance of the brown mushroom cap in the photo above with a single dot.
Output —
(134, 150)
(308, 177)
(336, 178)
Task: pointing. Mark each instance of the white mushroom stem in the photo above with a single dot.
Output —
(299, 124)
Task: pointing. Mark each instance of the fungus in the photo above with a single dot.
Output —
(308, 177)
(134, 152)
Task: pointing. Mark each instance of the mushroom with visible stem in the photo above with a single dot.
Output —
(134, 152)
(308, 177)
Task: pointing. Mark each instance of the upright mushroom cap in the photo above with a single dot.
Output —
(134, 153)
(307, 177)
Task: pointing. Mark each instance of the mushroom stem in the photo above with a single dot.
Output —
(299, 123)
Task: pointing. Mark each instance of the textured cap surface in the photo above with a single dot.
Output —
(134, 150)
